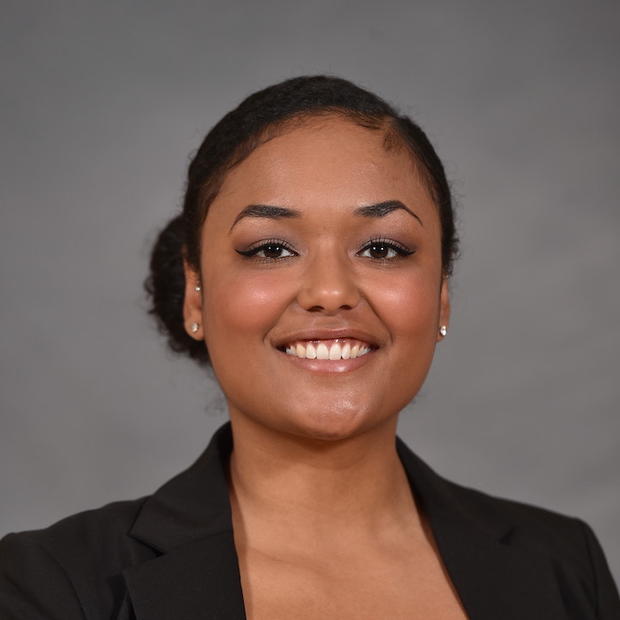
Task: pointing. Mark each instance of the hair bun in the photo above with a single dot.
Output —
(165, 288)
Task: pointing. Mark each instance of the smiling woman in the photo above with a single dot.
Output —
(309, 267)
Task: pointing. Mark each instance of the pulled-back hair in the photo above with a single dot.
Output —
(258, 118)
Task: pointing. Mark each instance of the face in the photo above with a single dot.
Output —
(321, 243)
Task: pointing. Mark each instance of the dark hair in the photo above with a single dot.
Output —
(260, 117)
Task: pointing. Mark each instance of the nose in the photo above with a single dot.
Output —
(328, 284)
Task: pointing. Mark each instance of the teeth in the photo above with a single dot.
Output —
(310, 351)
(322, 352)
(335, 351)
(328, 350)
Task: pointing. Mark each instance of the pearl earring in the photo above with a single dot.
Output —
(443, 330)
(197, 288)
(195, 327)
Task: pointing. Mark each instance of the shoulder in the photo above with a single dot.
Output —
(71, 566)
(569, 541)
(516, 523)
(79, 566)
(525, 523)
(499, 517)
(101, 533)
(475, 527)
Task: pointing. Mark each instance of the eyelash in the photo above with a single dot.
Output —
(252, 252)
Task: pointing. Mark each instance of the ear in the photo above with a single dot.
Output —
(192, 302)
(444, 307)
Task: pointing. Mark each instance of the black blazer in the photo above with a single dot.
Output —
(171, 556)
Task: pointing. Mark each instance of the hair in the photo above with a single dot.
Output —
(260, 117)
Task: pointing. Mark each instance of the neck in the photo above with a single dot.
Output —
(319, 490)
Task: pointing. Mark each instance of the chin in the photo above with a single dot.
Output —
(335, 423)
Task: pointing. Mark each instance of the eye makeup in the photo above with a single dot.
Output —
(379, 249)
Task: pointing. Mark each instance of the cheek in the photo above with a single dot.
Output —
(409, 306)
(240, 308)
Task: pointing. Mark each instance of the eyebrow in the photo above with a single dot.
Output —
(269, 211)
(380, 209)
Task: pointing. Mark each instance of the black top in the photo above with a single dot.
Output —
(171, 555)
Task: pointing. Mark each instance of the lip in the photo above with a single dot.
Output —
(327, 334)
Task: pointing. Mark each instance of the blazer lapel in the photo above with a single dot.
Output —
(493, 579)
(188, 522)
(199, 580)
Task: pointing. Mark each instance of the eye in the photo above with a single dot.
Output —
(382, 249)
(269, 250)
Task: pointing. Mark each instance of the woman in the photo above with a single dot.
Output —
(310, 268)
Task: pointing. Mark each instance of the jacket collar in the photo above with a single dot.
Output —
(192, 505)
(493, 578)
(188, 521)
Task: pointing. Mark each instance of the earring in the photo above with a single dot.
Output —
(443, 330)
(194, 327)
(197, 288)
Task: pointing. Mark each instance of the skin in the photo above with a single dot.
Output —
(314, 456)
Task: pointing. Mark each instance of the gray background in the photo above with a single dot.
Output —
(103, 102)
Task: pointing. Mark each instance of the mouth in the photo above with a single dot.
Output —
(333, 349)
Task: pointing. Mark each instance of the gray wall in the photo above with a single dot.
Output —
(103, 102)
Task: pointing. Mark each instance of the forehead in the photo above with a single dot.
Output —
(326, 162)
